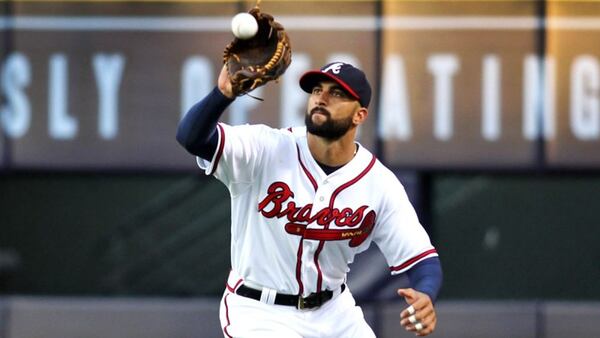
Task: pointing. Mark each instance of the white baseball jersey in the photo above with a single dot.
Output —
(294, 228)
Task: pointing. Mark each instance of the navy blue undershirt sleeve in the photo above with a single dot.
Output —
(197, 130)
(426, 276)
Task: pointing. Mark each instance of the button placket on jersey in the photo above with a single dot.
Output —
(320, 201)
(323, 197)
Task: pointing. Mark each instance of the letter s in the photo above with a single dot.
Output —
(15, 116)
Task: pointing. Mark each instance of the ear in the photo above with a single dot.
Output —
(360, 116)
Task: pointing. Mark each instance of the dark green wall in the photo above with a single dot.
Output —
(518, 236)
(115, 234)
(499, 236)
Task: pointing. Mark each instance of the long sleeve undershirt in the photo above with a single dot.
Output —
(197, 130)
(426, 276)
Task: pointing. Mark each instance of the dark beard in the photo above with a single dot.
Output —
(330, 129)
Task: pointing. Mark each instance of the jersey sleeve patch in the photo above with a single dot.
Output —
(412, 261)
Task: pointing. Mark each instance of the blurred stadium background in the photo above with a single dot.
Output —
(488, 111)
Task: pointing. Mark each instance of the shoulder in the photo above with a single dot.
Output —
(388, 177)
(261, 130)
(385, 173)
(387, 180)
(259, 135)
(294, 132)
(378, 171)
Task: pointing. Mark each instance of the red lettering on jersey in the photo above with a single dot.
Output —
(277, 193)
(277, 204)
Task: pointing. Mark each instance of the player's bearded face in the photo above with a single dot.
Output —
(331, 129)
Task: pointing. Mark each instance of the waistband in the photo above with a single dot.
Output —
(271, 296)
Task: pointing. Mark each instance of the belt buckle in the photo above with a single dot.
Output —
(312, 301)
(301, 304)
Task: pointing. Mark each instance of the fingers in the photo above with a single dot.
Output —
(419, 316)
(421, 303)
(422, 327)
(224, 83)
(425, 315)
(408, 294)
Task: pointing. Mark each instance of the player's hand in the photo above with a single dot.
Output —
(419, 316)
(224, 83)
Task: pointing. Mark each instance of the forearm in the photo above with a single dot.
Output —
(197, 130)
(426, 277)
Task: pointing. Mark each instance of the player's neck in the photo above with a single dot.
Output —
(332, 153)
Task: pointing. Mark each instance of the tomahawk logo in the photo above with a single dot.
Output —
(334, 68)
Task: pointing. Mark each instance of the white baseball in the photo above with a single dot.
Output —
(244, 26)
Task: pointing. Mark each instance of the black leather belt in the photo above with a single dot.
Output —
(314, 300)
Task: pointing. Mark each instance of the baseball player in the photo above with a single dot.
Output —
(304, 201)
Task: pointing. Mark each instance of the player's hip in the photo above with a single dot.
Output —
(247, 317)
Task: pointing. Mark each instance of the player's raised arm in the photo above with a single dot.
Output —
(197, 130)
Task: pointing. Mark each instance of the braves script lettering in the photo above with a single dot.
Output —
(278, 204)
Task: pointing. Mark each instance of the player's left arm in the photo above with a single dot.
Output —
(408, 249)
(425, 281)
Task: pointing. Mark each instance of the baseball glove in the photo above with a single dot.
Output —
(265, 57)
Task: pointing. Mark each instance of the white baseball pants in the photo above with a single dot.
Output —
(243, 317)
